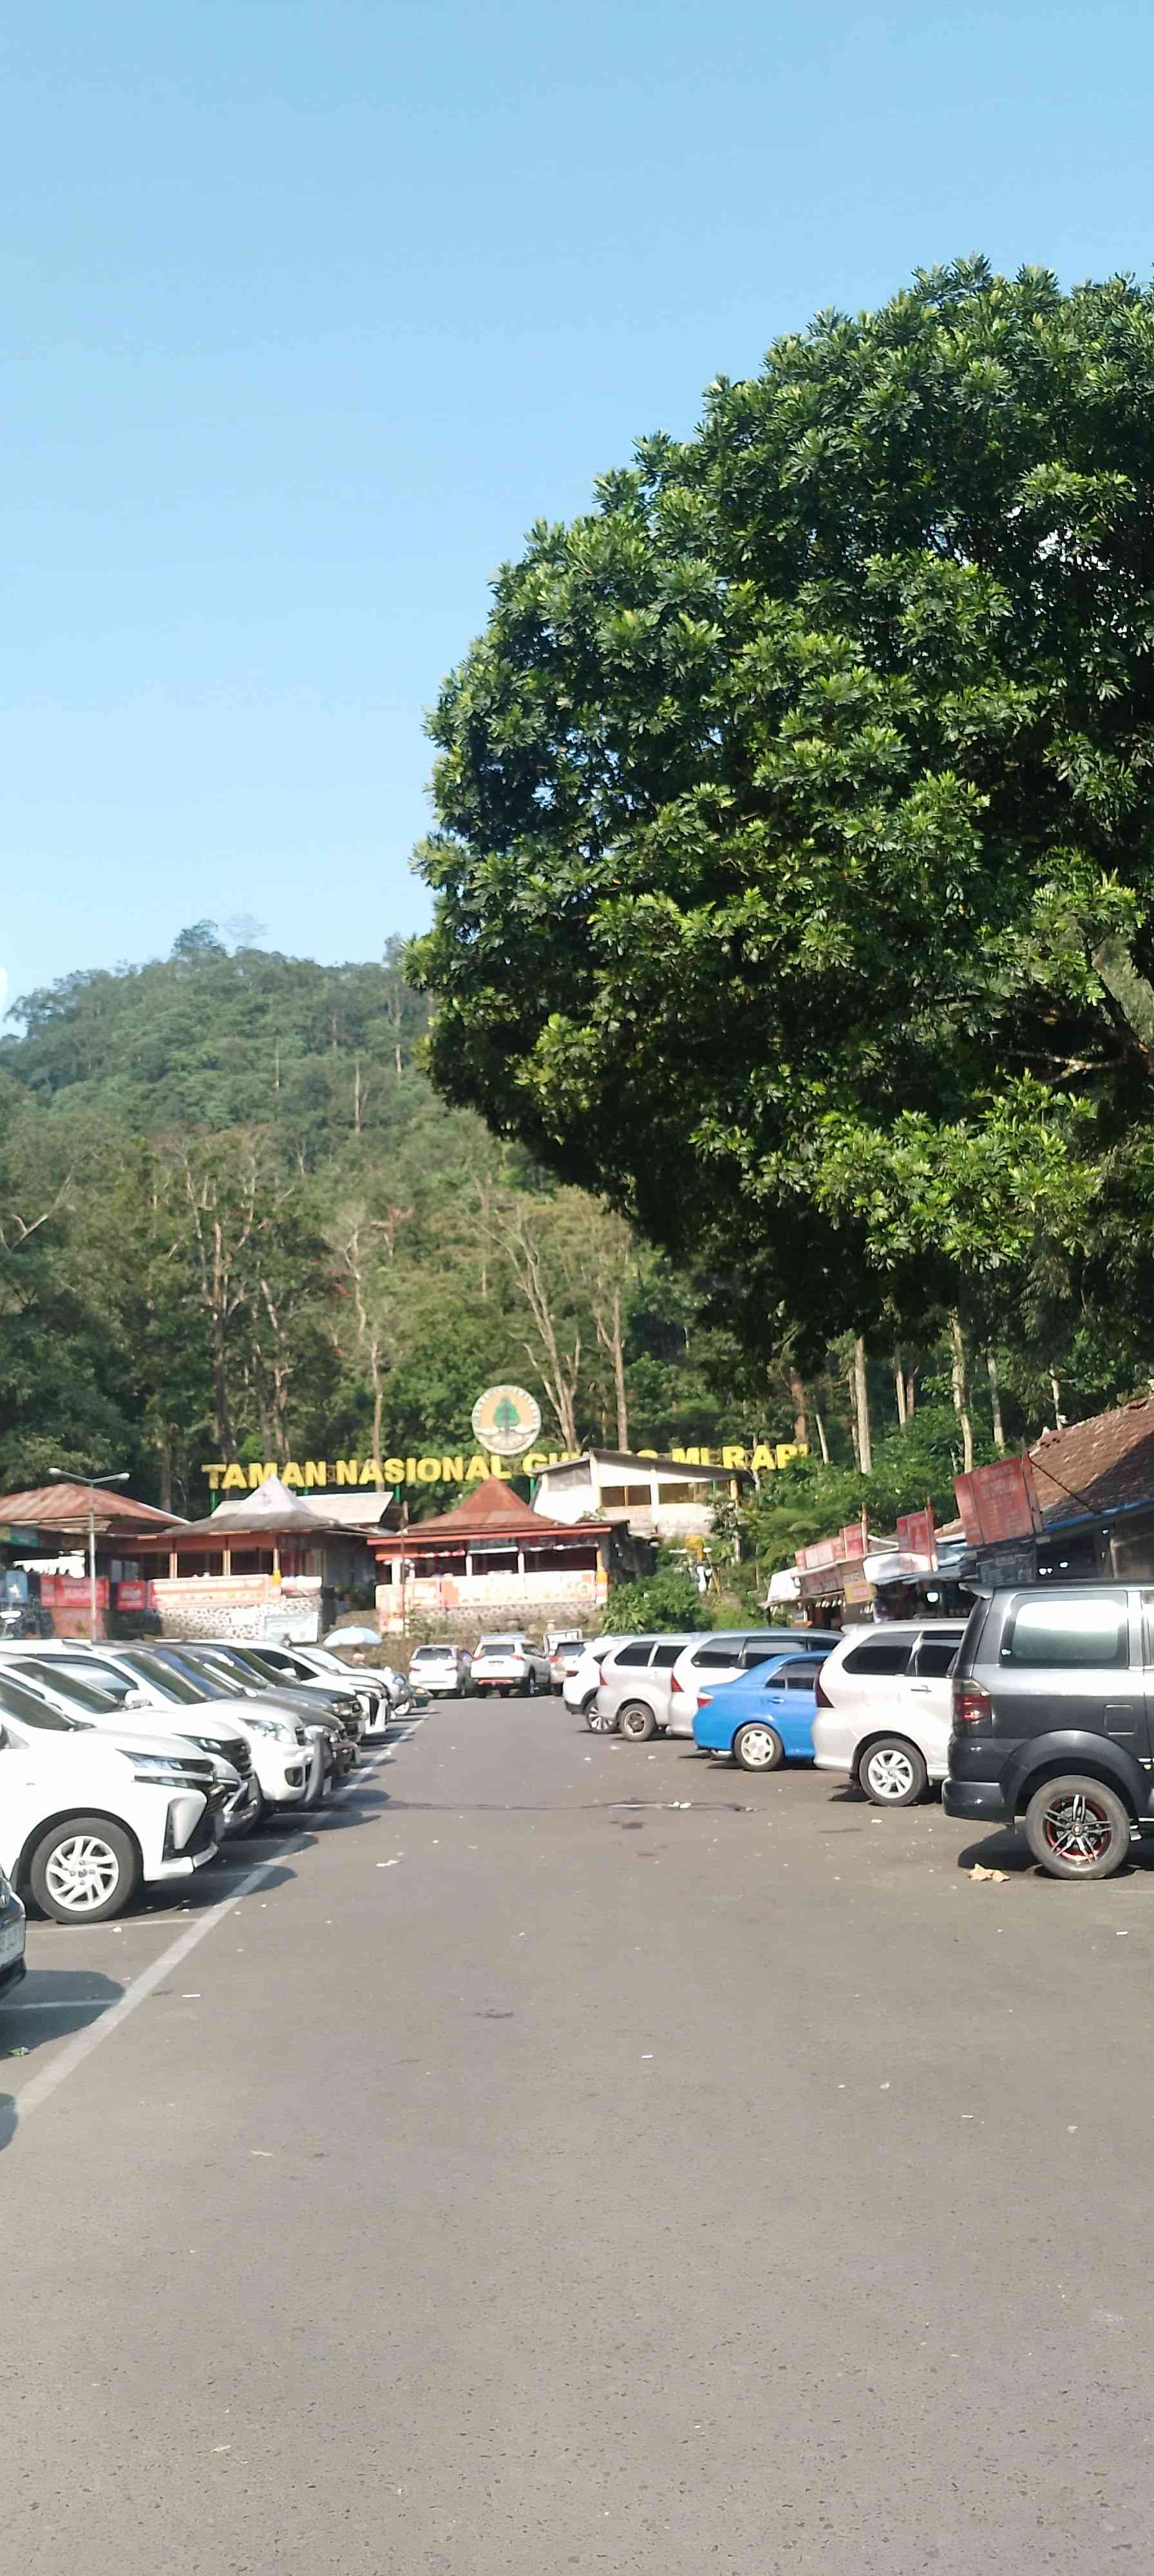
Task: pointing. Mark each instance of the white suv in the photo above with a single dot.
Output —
(83, 1820)
(883, 1707)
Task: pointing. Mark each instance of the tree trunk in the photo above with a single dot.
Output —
(1056, 1392)
(622, 1399)
(900, 1389)
(164, 1447)
(220, 1403)
(961, 1395)
(800, 1410)
(378, 1396)
(822, 1442)
(996, 1404)
(911, 1390)
(861, 1406)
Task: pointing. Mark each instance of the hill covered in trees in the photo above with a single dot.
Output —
(236, 1222)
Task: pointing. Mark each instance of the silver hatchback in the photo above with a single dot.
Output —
(633, 1699)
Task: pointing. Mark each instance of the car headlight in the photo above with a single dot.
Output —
(166, 1771)
(277, 1727)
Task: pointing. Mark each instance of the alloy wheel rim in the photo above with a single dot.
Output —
(1077, 1828)
(757, 1748)
(890, 1774)
(82, 1872)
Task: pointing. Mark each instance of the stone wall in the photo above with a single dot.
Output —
(246, 1607)
(462, 1612)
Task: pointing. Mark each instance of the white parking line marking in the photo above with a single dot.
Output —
(42, 2086)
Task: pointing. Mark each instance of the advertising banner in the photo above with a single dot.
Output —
(999, 1502)
(916, 1535)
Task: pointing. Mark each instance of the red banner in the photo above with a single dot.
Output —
(916, 1534)
(71, 1591)
(999, 1502)
(131, 1595)
(853, 1543)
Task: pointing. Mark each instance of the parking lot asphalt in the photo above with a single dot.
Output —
(528, 2169)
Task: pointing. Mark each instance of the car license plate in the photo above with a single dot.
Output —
(11, 1942)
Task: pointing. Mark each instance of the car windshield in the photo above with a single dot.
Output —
(18, 1702)
(163, 1678)
(206, 1685)
(64, 1679)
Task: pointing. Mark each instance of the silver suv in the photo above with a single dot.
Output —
(633, 1698)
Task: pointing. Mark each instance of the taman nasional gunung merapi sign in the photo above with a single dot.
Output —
(315, 1474)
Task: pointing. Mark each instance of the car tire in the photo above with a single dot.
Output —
(531, 1687)
(893, 1773)
(636, 1722)
(596, 1722)
(1077, 1828)
(758, 1747)
(95, 1856)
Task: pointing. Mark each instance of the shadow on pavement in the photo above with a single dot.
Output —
(1009, 1852)
(50, 2003)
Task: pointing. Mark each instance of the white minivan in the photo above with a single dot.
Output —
(883, 1707)
(84, 1821)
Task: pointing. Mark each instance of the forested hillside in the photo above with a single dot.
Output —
(236, 1222)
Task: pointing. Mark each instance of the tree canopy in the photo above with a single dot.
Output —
(794, 858)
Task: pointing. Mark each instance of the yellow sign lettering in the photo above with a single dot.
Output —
(371, 1472)
(292, 1474)
(348, 1471)
(394, 1471)
(453, 1471)
(316, 1471)
(234, 1477)
(476, 1470)
(214, 1474)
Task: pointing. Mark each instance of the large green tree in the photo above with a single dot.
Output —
(795, 850)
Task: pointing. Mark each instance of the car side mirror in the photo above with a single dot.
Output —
(137, 1699)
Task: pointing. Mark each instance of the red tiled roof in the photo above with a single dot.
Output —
(489, 1510)
(1098, 1465)
(64, 1506)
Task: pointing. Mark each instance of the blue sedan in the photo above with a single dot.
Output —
(765, 1716)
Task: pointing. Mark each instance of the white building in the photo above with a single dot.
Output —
(660, 1498)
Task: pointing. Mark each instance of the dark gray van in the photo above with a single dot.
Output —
(1053, 1721)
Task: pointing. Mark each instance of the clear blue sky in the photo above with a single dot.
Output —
(311, 310)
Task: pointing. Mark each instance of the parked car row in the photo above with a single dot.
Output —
(509, 1664)
(229, 1734)
(1035, 1713)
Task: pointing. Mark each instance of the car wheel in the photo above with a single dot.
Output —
(597, 1723)
(636, 1721)
(758, 1747)
(84, 1870)
(531, 1687)
(893, 1773)
(1076, 1828)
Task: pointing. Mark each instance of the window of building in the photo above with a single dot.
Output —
(211, 1563)
(250, 1560)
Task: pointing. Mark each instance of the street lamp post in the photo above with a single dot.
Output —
(66, 1477)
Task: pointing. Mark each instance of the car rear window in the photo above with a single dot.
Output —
(799, 1676)
(640, 1654)
(880, 1656)
(1067, 1633)
(665, 1657)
